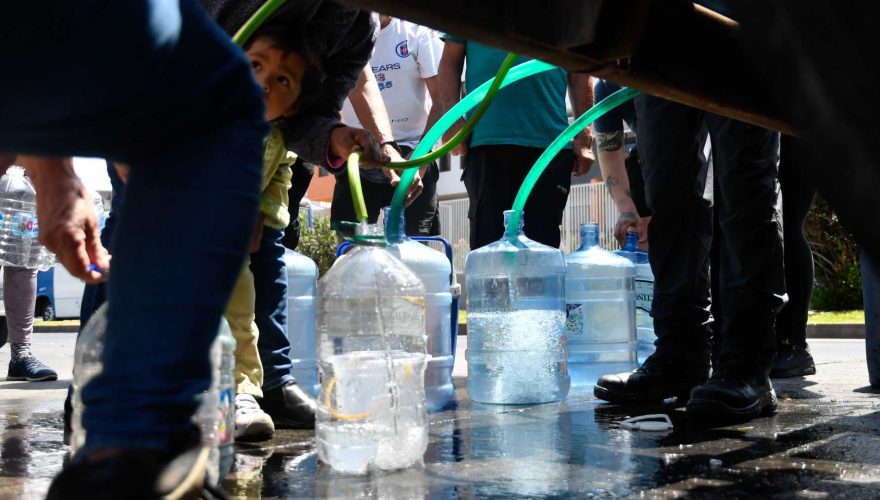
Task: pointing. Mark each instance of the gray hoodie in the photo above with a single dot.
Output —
(344, 38)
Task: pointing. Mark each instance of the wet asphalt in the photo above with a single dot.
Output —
(823, 443)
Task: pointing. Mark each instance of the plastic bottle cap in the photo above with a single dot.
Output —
(648, 423)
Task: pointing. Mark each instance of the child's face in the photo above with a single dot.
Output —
(280, 74)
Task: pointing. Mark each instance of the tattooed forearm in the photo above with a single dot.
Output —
(611, 182)
(609, 141)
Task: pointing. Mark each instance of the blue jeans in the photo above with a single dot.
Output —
(154, 84)
(871, 291)
(270, 283)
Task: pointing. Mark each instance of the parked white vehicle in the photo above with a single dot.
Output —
(59, 295)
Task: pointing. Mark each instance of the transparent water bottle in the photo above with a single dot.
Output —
(19, 227)
(371, 361)
(302, 275)
(600, 304)
(516, 322)
(88, 364)
(644, 282)
(215, 415)
(434, 269)
(98, 202)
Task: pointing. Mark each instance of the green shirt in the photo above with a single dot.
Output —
(530, 112)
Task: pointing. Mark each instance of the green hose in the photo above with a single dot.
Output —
(241, 36)
(561, 140)
(479, 95)
(354, 184)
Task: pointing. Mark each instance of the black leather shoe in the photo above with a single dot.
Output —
(289, 406)
(31, 369)
(732, 395)
(793, 362)
(657, 379)
(136, 474)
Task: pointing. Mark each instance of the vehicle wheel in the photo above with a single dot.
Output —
(45, 309)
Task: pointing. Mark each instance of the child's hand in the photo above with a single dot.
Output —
(347, 140)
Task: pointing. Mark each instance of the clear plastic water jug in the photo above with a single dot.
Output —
(371, 360)
(302, 276)
(600, 305)
(516, 322)
(215, 415)
(644, 294)
(19, 227)
(434, 269)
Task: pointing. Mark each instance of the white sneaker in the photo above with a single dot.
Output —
(251, 422)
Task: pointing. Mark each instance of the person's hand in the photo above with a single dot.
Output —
(631, 220)
(68, 222)
(415, 189)
(583, 154)
(461, 149)
(347, 140)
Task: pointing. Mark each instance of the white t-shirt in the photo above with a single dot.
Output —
(404, 54)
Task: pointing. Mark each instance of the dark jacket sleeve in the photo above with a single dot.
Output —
(308, 133)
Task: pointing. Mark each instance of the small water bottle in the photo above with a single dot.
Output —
(644, 294)
(215, 415)
(371, 361)
(434, 269)
(516, 321)
(599, 291)
(302, 276)
(19, 227)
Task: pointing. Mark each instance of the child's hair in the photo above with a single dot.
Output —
(288, 37)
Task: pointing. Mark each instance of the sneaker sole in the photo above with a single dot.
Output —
(717, 412)
(682, 393)
(256, 432)
(47, 378)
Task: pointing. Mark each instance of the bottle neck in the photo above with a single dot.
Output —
(589, 236)
(400, 233)
(632, 241)
(512, 217)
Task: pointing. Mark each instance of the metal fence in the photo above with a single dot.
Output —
(586, 203)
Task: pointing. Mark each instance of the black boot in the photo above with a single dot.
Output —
(793, 362)
(289, 406)
(657, 379)
(735, 393)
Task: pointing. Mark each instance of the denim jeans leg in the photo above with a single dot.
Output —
(188, 121)
(270, 283)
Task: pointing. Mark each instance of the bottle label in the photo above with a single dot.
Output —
(23, 225)
(226, 416)
(644, 294)
(574, 323)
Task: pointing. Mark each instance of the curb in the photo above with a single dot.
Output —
(50, 328)
(836, 331)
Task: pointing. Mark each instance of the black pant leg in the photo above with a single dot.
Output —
(750, 262)
(680, 233)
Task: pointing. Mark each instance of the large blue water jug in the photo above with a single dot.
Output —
(302, 275)
(644, 294)
(516, 322)
(434, 269)
(600, 305)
